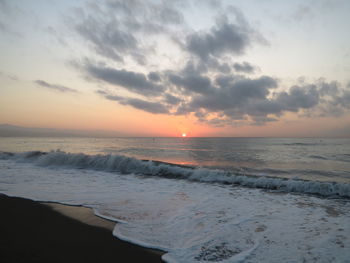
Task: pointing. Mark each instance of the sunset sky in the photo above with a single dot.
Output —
(163, 68)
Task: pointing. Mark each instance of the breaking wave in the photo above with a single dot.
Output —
(129, 165)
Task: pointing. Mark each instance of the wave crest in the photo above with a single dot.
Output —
(129, 165)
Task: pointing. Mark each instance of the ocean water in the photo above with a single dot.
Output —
(198, 199)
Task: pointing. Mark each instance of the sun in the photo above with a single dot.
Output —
(184, 134)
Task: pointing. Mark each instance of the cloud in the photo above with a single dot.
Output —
(121, 29)
(224, 99)
(152, 107)
(132, 81)
(330, 88)
(154, 76)
(143, 15)
(299, 97)
(9, 76)
(343, 100)
(205, 82)
(191, 79)
(191, 83)
(222, 38)
(234, 94)
(238, 99)
(171, 99)
(108, 39)
(244, 67)
(8, 13)
(56, 87)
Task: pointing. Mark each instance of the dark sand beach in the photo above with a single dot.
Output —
(35, 232)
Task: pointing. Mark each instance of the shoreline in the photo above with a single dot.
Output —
(81, 213)
(87, 216)
(52, 232)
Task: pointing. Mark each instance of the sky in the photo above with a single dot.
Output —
(253, 68)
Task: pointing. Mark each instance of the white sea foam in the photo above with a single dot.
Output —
(190, 221)
(127, 165)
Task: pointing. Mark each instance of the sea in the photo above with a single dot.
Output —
(198, 199)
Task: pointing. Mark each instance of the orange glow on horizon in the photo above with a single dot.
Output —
(184, 134)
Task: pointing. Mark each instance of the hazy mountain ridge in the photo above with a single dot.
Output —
(8, 130)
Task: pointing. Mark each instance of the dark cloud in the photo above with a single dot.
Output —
(56, 87)
(334, 100)
(154, 76)
(222, 38)
(108, 39)
(255, 101)
(190, 79)
(224, 68)
(211, 64)
(132, 81)
(234, 93)
(149, 16)
(244, 67)
(117, 29)
(191, 83)
(152, 107)
(208, 85)
(226, 99)
(343, 100)
(171, 99)
(328, 88)
(194, 67)
(299, 98)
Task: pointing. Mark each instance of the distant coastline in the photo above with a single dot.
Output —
(8, 130)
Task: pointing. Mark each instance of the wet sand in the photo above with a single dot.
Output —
(82, 214)
(35, 232)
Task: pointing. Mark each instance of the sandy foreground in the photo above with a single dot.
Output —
(50, 232)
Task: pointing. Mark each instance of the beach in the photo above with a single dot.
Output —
(212, 131)
(36, 232)
(269, 205)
